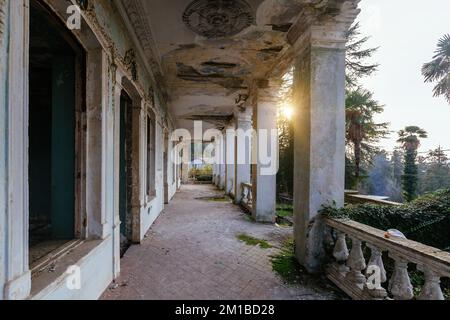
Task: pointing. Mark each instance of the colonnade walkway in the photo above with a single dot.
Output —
(193, 252)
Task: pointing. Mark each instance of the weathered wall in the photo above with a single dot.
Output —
(108, 18)
(100, 265)
(111, 23)
(3, 136)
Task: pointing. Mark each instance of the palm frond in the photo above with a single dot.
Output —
(443, 47)
(438, 70)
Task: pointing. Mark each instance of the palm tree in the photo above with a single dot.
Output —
(362, 132)
(438, 70)
(409, 138)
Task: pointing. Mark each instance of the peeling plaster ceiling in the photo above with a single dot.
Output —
(210, 50)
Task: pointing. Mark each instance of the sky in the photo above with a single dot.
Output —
(407, 32)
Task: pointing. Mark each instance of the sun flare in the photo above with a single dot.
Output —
(287, 111)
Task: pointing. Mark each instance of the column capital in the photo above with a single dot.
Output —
(324, 24)
(243, 115)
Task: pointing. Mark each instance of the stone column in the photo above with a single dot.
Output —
(319, 151)
(265, 152)
(117, 92)
(185, 147)
(219, 160)
(243, 153)
(216, 165)
(222, 170)
(229, 159)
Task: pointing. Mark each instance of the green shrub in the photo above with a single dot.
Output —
(204, 178)
(204, 174)
(426, 220)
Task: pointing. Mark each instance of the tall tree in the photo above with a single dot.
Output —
(397, 173)
(398, 168)
(438, 70)
(362, 131)
(357, 57)
(285, 175)
(437, 173)
(409, 138)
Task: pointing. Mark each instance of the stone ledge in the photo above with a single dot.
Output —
(43, 282)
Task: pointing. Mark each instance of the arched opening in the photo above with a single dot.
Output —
(56, 99)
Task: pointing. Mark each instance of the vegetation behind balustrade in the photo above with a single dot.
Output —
(425, 220)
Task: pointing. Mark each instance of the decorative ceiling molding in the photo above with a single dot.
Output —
(332, 15)
(130, 61)
(218, 18)
(135, 13)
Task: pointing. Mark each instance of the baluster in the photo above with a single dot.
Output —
(375, 268)
(400, 283)
(431, 290)
(244, 194)
(340, 252)
(356, 263)
(329, 235)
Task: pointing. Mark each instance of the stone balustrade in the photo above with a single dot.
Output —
(353, 197)
(247, 196)
(359, 269)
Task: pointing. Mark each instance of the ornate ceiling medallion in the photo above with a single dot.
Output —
(218, 18)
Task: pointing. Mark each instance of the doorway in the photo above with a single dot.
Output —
(56, 64)
(125, 189)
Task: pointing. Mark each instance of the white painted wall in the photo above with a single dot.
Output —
(150, 210)
(3, 136)
(171, 161)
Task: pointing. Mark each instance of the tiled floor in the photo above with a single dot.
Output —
(191, 252)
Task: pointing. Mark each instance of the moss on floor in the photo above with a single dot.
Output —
(250, 241)
(249, 218)
(216, 199)
(285, 263)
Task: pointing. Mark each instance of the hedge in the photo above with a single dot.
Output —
(426, 220)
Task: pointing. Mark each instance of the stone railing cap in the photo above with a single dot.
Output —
(415, 252)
